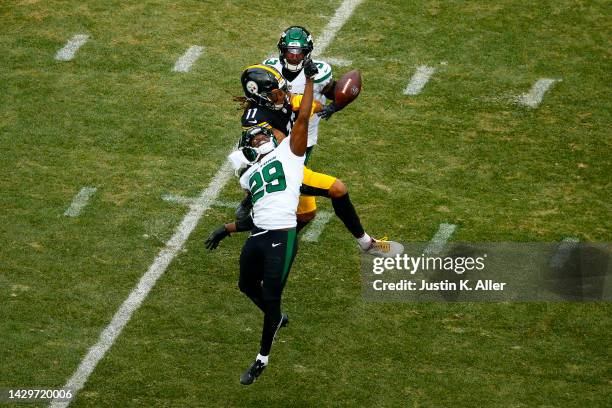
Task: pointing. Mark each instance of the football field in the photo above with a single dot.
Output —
(478, 122)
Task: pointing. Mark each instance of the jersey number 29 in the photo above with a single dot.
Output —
(269, 179)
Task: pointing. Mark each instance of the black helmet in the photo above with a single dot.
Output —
(258, 81)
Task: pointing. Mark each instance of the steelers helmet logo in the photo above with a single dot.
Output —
(252, 87)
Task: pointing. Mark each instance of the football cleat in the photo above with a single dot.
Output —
(384, 248)
(284, 320)
(254, 371)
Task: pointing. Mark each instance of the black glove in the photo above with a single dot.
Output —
(310, 68)
(328, 110)
(215, 237)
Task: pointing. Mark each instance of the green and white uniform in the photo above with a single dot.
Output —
(274, 183)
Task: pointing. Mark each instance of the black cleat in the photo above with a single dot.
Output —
(254, 371)
(284, 320)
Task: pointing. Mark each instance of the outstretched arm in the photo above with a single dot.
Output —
(299, 132)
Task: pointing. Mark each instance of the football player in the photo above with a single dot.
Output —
(273, 182)
(295, 45)
(273, 108)
(269, 105)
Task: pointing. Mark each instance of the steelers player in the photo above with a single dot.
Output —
(273, 182)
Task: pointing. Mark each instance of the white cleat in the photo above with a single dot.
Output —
(384, 248)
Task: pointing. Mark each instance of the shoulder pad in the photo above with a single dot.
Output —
(325, 72)
(271, 61)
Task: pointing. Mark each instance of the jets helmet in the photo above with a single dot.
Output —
(258, 82)
(295, 45)
(252, 154)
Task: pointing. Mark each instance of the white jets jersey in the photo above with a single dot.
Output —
(297, 86)
(274, 183)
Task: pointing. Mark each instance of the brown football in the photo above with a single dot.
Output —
(348, 88)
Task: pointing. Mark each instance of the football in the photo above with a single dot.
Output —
(348, 88)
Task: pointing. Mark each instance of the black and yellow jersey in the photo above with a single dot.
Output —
(281, 119)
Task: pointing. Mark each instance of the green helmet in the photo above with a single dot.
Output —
(294, 46)
(252, 154)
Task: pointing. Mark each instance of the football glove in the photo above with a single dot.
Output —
(215, 237)
(310, 68)
(328, 110)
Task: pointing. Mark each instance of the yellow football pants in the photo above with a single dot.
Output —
(317, 180)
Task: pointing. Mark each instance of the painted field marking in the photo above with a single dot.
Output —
(227, 204)
(436, 245)
(340, 62)
(316, 227)
(171, 198)
(80, 201)
(72, 46)
(563, 252)
(184, 63)
(534, 97)
(342, 14)
(419, 79)
(172, 248)
(312, 233)
(167, 254)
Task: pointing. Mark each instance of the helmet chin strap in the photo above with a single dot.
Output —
(261, 150)
(266, 147)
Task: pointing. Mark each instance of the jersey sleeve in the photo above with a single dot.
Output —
(285, 149)
(272, 62)
(324, 76)
(244, 181)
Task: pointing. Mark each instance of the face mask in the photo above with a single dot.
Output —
(253, 154)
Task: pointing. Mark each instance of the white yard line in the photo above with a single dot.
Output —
(343, 13)
(535, 95)
(170, 198)
(184, 63)
(316, 227)
(172, 248)
(148, 280)
(340, 62)
(227, 204)
(72, 46)
(419, 79)
(563, 253)
(80, 201)
(436, 245)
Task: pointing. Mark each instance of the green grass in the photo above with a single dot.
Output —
(117, 118)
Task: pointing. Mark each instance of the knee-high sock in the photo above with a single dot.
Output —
(272, 319)
(343, 207)
(301, 225)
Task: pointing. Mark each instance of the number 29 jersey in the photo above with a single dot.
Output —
(274, 183)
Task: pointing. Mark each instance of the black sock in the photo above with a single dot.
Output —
(272, 319)
(343, 207)
(301, 225)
